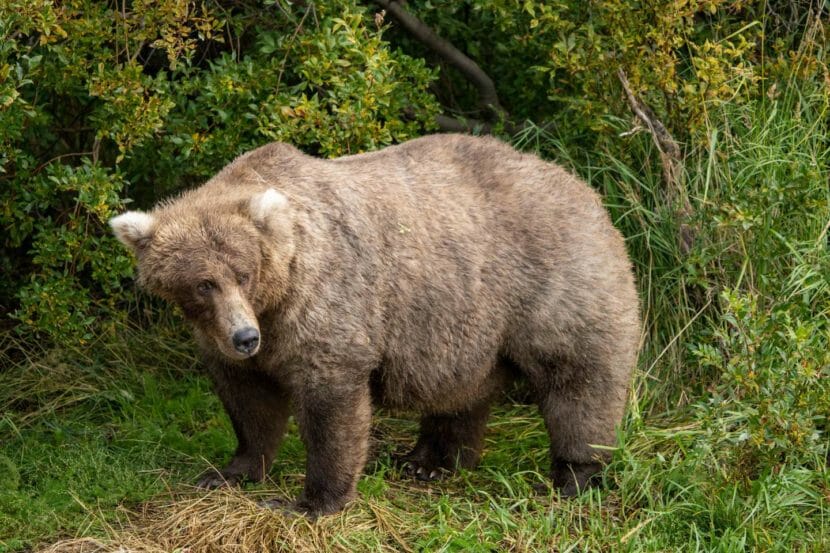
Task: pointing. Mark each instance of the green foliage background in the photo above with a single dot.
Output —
(109, 104)
(104, 104)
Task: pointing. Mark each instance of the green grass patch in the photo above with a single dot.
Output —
(82, 433)
(113, 457)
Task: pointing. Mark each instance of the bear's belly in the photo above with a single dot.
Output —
(432, 388)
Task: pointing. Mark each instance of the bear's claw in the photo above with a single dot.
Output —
(213, 480)
(421, 471)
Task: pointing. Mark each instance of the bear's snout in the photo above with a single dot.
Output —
(246, 340)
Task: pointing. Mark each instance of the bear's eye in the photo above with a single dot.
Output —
(243, 279)
(205, 287)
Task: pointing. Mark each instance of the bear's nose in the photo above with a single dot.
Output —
(246, 340)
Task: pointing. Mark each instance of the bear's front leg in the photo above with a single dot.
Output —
(259, 409)
(334, 424)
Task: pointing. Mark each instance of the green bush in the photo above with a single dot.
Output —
(771, 401)
(102, 104)
(555, 62)
(766, 347)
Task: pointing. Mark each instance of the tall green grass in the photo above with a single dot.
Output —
(726, 442)
(749, 376)
(724, 446)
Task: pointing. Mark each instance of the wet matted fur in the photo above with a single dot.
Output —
(424, 277)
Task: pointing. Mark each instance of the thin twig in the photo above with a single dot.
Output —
(40, 167)
(677, 336)
(289, 47)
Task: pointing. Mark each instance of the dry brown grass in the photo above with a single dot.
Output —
(230, 520)
(406, 520)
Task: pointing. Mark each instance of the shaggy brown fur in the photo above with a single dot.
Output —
(423, 277)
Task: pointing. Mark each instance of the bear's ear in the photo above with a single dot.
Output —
(134, 229)
(269, 209)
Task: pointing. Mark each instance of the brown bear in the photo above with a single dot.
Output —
(424, 276)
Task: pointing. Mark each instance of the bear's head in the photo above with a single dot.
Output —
(223, 264)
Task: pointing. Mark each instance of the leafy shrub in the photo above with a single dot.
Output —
(555, 62)
(725, 443)
(100, 104)
(772, 400)
(58, 216)
(767, 346)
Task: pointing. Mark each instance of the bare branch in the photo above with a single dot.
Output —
(666, 144)
(465, 125)
(671, 160)
(487, 96)
(477, 126)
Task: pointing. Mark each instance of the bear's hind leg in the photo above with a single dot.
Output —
(258, 410)
(447, 442)
(581, 408)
